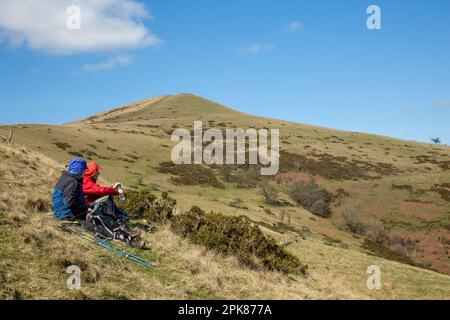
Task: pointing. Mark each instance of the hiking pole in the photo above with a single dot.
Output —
(125, 253)
(108, 246)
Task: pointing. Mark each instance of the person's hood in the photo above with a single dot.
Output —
(92, 169)
(77, 166)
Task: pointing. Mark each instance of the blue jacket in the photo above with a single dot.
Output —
(68, 197)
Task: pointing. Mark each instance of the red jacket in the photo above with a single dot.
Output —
(93, 191)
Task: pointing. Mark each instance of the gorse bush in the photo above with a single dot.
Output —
(143, 204)
(236, 236)
(335, 168)
(163, 208)
(138, 203)
(321, 208)
(191, 174)
(62, 145)
(242, 176)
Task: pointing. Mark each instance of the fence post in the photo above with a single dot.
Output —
(11, 133)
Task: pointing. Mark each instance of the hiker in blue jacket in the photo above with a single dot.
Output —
(68, 197)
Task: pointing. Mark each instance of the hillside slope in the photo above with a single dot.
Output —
(402, 186)
(34, 256)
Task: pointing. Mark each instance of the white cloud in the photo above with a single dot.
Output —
(256, 48)
(119, 61)
(106, 25)
(295, 26)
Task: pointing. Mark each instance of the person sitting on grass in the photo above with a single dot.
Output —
(68, 198)
(111, 216)
(93, 191)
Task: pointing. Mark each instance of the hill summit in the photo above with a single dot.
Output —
(179, 105)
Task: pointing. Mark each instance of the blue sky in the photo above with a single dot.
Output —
(312, 62)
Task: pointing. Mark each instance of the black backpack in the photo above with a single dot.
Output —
(107, 221)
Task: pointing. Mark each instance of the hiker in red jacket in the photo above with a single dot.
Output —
(107, 212)
(92, 190)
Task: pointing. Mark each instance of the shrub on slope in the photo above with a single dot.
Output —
(191, 174)
(236, 236)
(143, 204)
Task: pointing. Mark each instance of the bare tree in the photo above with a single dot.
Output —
(269, 192)
(311, 197)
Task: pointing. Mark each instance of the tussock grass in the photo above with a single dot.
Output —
(38, 205)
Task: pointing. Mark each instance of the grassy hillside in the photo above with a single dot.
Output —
(375, 182)
(35, 255)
